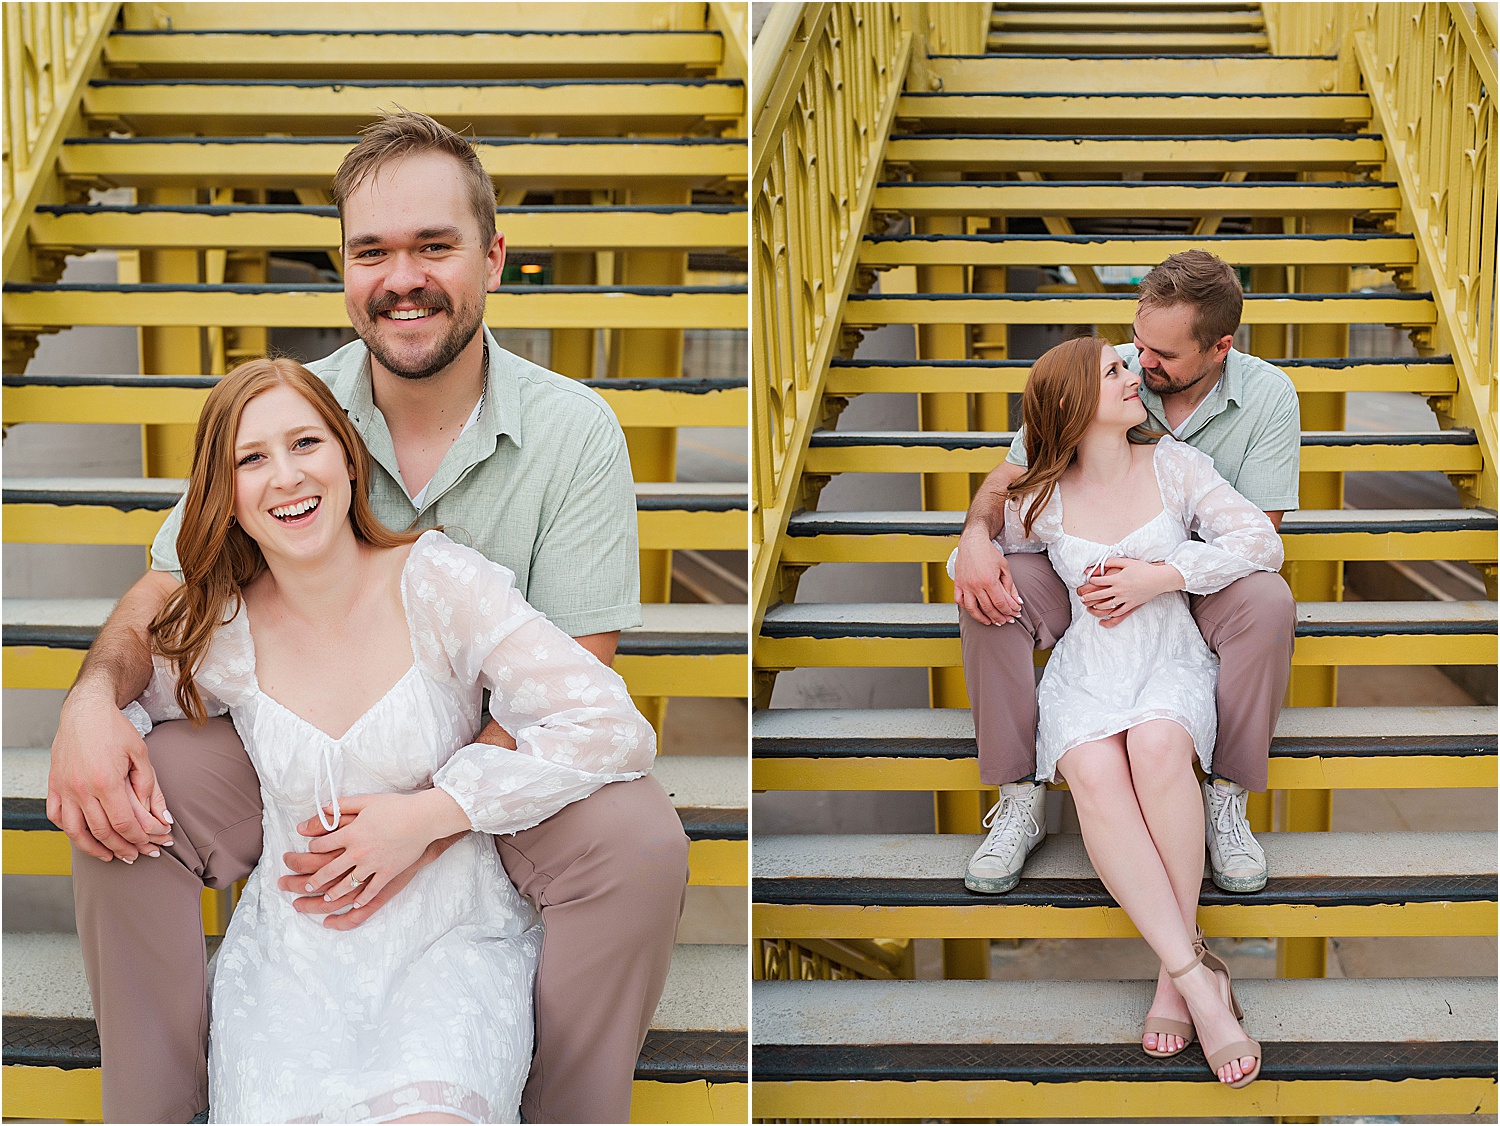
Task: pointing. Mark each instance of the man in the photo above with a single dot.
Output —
(520, 463)
(1243, 413)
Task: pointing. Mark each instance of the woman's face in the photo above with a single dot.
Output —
(1120, 403)
(291, 478)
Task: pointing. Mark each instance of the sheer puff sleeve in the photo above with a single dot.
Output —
(571, 717)
(224, 676)
(1237, 538)
(1013, 539)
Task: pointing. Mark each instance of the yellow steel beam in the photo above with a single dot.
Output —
(719, 863)
(1370, 375)
(937, 652)
(1128, 42)
(1081, 74)
(1474, 546)
(694, 1101)
(595, 108)
(1051, 309)
(1134, 199)
(922, 1100)
(405, 54)
(1322, 772)
(514, 307)
(1000, 920)
(157, 405)
(1385, 251)
(560, 229)
(1121, 112)
(1081, 155)
(1100, 19)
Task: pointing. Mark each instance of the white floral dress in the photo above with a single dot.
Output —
(428, 1005)
(1154, 664)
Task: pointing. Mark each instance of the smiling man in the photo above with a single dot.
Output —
(1243, 413)
(522, 464)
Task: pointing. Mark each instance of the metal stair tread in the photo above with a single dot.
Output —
(44, 978)
(162, 492)
(1297, 522)
(1061, 856)
(808, 1013)
(438, 83)
(931, 619)
(1001, 439)
(665, 627)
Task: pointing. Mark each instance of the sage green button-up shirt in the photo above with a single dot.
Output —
(540, 484)
(1250, 425)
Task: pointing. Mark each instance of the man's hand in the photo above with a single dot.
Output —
(101, 790)
(982, 584)
(383, 840)
(1123, 586)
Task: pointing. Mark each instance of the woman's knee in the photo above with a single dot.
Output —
(1095, 768)
(1159, 751)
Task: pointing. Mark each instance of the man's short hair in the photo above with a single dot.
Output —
(1199, 279)
(402, 133)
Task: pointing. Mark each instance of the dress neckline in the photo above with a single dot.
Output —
(243, 618)
(1160, 495)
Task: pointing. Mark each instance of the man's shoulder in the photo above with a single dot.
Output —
(545, 395)
(340, 369)
(1261, 379)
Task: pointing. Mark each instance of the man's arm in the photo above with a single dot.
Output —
(101, 790)
(981, 579)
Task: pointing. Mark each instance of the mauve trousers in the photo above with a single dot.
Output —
(608, 873)
(1250, 624)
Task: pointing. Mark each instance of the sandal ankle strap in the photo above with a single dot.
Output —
(1197, 960)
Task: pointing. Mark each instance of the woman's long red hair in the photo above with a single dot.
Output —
(1060, 401)
(218, 559)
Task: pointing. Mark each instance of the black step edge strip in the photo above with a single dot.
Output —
(959, 94)
(1122, 297)
(686, 386)
(840, 524)
(413, 32)
(1317, 1061)
(1001, 439)
(1247, 185)
(1074, 137)
(1345, 746)
(127, 500)
(1357, 362)
(1310, 891)
(831, 631)
(274, 289)
(439, 83)
(1362, 236)
(489, 142)
(331, 211)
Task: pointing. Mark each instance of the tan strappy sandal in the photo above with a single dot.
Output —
(1167, 1026)
(1230, 1052)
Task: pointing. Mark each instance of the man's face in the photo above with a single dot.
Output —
(415, 271)
(1170, 358)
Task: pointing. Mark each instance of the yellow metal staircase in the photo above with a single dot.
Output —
(1350, 176)
(195, 144)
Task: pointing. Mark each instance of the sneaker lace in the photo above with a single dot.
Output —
(1232, 831)
(1007, 819)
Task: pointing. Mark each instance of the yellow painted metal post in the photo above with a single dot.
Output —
(573, 348)
(1315, 580)
(168, 450)
(652, 353)
(1269, 342)
(956, 811)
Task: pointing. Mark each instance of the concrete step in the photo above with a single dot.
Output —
(911, 886)
(1397, 533)
(162, 399)
(680, 649)
(1130, 112)
(1132, 199)
(1080, 71)
(1080, 156)
(979, 451)
(934, 749)
(287, 227)
(310, 162)
(64, 305)
(594, 107)
(877, 309)
(917, 634)
(1433, 375)
(698, 1034)
(1379, 250)
(1071, 1049)
(405, 54)
(708, 792)
(103, 510)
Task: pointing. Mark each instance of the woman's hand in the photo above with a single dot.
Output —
(1123, 586)
(388, 835)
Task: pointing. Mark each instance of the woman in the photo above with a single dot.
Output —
(1126, 701)
(352, 660)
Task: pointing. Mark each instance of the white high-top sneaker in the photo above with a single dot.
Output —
(1017, 824)
(1235, 856)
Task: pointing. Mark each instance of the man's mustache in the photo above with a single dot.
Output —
(427, 299)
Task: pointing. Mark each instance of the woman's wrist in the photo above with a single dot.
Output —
(439, 814)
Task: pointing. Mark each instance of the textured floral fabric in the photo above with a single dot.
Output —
(427, 1006)
(1154, 664)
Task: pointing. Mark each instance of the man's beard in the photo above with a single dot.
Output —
(463, 325)
(1163, 384)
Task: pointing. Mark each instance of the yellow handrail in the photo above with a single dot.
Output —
(50, 51)
(826, 79)
(1430, 72)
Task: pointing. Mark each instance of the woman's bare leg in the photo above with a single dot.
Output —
(1125, 856)
(1161, 770)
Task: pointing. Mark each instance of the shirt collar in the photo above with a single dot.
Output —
(1229, 389)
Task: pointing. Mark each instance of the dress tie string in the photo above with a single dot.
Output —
(333, 797)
